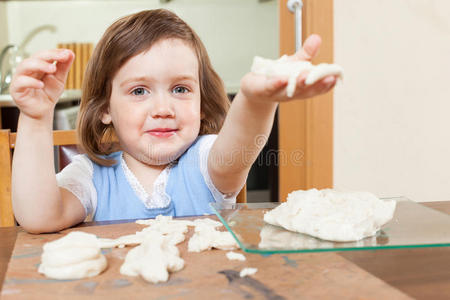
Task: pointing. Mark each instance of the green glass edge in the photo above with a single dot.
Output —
(248, 250)
(229, 229)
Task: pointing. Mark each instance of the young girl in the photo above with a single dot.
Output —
(150, 86)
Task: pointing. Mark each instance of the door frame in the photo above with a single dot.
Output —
(305, 127)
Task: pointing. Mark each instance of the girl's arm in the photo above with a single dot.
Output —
(39, 204)
(250, 119)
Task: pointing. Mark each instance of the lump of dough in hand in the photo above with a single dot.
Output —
(74, 256)
(321, 71)
(292, 69)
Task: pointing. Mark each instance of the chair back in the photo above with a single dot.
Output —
(6, 212)
(7, 144)
(66, 154)
(67, 142)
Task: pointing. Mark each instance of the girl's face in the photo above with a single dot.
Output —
(155, 103)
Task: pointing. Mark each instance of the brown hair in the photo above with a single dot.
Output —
(128, 37)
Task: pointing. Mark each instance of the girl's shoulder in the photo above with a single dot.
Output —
(199, 149)
(203, 140)
(201, 145)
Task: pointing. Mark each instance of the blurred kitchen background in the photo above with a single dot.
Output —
(391, 124)
(230, 36)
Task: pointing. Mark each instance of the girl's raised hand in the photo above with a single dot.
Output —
(39, 82)
(273, 89)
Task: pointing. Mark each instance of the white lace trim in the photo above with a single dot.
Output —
(159, 198)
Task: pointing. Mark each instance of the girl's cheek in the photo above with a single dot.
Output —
(193, 108)
(193, 116)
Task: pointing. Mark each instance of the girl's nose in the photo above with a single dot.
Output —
(162, 107)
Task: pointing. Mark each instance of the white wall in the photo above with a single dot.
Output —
(3, 25)
(392, 112)
(233, 31)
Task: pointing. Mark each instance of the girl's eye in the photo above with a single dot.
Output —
(139, 91)
(180, 90)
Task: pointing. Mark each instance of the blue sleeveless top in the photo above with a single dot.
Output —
(186, 187)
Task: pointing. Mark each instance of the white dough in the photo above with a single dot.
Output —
(74, 239)
(292, 69)
(207, 222)
(78, 254)
(248, 271)
(332, 215)
(74, 256)
(158, 255)
(206, 237)
(275, 237)
(166, 225)
(131, 239)
(153, 259)
(83, 269)
(160, 219)
(68, 256)
(235, 256)
(321, 71)
(175, 229)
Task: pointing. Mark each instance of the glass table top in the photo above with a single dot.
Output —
(412, 226)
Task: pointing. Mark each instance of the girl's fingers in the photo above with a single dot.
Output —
(63, 66)
(320, 87)
(274, 85)
(37, 67)
(56, 62)
(301, 79)
(22, 83)
(63, 59)
(324, 81)
(329, 79)
(58, 55)
(328, 83)
(310, 48)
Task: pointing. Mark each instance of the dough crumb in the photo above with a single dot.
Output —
(235, 256)
(248, 271)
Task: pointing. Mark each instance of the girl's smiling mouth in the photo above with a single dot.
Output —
(162, 132)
